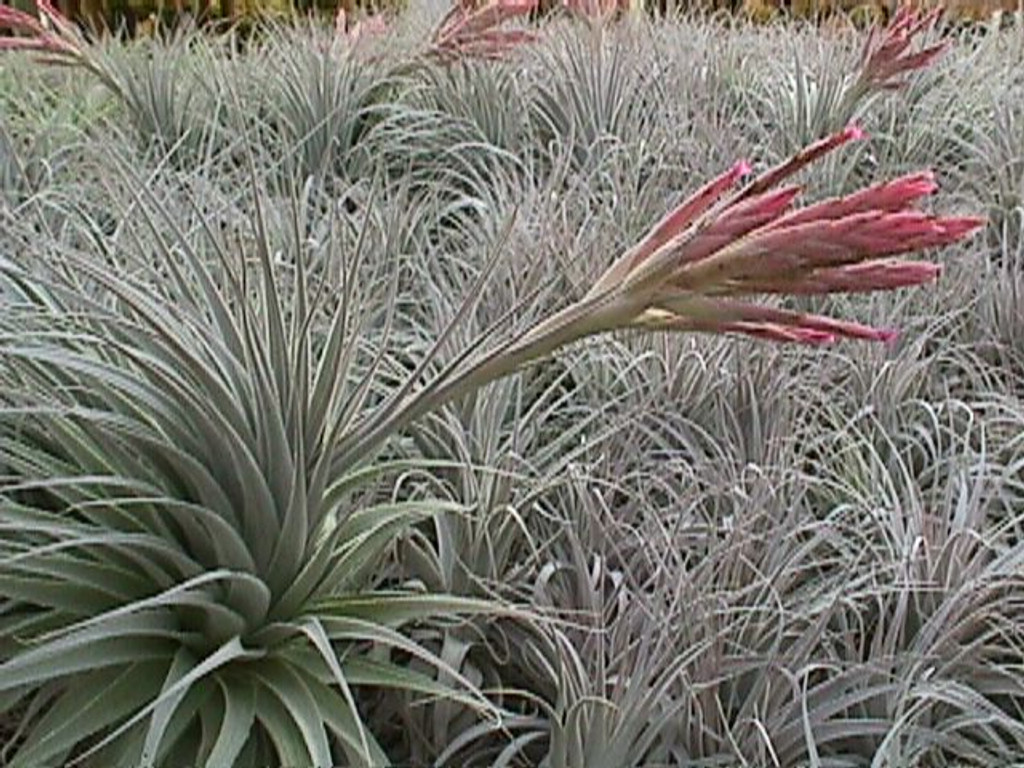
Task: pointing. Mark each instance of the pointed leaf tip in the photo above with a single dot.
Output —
(853, 132)
(957, 227)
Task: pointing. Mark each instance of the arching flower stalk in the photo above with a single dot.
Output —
(700, 266)
(890, 55)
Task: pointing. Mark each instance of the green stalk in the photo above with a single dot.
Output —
(588, 317)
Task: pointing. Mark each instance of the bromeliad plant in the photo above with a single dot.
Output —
(192, 572)
(194, 569)
(804, 105)
(889, 55)
(196, 565)
(161, 106)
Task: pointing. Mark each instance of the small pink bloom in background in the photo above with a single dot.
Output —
(58, 39)
(474, 29)
(887, 54)
(375, 25)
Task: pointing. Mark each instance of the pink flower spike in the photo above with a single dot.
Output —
(773, 332)
(694, 266)
(774, 176)
(21, 44)
(896, 195)
(883, 275)
(51, 32)
(660, 320)
(785, 335)
(471, 28)
(758, 210)
(735, 222)
(687, 212)
(719, 311)
(817, 244)
(887, 55)
(958, 227)
(844, 328)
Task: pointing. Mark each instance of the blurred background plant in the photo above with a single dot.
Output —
(150, 17)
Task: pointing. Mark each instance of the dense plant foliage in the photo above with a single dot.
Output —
(268, 496)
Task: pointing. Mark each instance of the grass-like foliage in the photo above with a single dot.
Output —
(408, 398)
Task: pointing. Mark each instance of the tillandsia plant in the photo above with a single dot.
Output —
(192, 559)
(803, 105)
(723, 244)
(191, 572)
(888, 55)
(195, 566)
(161, 106)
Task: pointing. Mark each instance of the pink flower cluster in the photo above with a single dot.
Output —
(474, 29)
(887, 55)
(692, 269)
